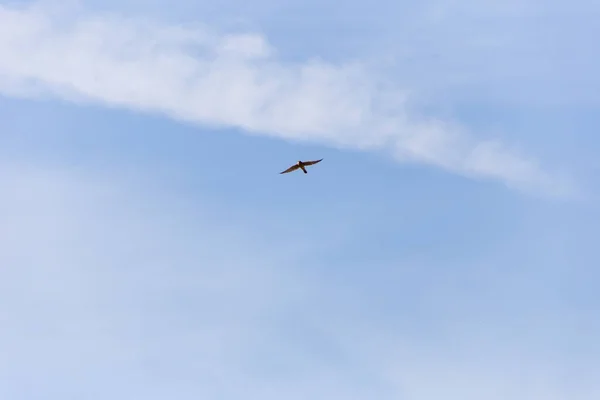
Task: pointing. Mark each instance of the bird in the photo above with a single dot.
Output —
(301, 165)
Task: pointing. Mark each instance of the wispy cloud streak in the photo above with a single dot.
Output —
(218, 79)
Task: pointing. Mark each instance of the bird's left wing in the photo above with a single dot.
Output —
(290, 169)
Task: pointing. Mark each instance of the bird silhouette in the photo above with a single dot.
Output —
(301, 165)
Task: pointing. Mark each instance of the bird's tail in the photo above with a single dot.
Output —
(304, 170)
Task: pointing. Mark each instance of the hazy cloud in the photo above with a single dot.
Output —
(113, 289)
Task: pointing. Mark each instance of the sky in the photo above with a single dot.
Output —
(445, 247)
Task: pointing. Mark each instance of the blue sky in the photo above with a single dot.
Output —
(444, 249)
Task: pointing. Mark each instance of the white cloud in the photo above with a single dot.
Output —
(203, 76)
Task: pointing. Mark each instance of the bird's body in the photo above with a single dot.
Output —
(301, 165)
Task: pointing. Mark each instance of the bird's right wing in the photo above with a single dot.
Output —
(290, 169)
(312, 162)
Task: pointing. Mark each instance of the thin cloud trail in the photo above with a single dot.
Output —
(236, 80)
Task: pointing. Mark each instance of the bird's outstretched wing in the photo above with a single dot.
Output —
(290, 169)
(312, 162)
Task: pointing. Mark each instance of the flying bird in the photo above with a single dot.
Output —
(301, 165)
